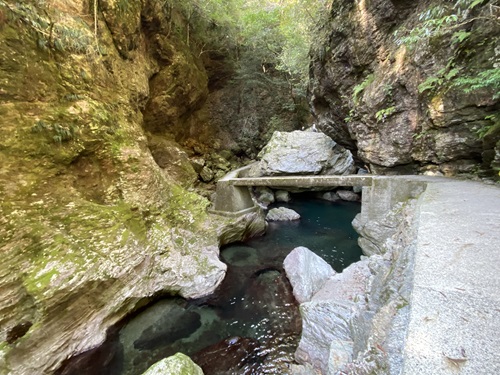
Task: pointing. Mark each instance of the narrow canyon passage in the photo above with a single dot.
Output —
(251, 324)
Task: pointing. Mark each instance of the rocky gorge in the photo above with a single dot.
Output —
(117, 118)
(392, 81)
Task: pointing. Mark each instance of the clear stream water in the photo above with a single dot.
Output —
(251, 324)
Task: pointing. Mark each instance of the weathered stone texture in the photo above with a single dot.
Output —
(307, 272)
(178, 364)
(366, 95)
(282, 214)
(301, 152)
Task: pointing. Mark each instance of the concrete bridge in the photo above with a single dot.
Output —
(380, 193)
(454, 318)
(234, 198)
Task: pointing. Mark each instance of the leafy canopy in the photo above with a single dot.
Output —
(277, 32)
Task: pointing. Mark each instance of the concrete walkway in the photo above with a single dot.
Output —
(454, 325)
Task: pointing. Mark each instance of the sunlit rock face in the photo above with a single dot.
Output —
(95, 217)
(397, 104)
(176, 364)
(302, 152)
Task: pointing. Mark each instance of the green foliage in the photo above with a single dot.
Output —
(350, 116)
(358, 89)
(421, 134)
(460, 36)
(487, 79)
(61, 34)
(57, 132)
(384, 113)
(495, 122)
(440, 20)
(443, 76)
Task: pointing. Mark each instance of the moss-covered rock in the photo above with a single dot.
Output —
(95, 216)
(178, 364)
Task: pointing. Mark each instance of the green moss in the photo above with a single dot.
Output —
(185, 208)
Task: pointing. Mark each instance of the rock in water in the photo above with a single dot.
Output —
(301, 152)
(168, 329)
(282, 214)
(282, 196)
(307, 273)
(227, 356)
(176, 364)
(264, 196)
(348, 195)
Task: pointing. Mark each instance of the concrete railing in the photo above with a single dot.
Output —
(233, 196)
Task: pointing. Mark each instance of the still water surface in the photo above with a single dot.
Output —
(251, 324)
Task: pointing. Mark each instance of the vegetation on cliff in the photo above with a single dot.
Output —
(111, 110)
(412, 87)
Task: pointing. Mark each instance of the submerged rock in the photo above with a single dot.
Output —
(178, 364)
(240, 256)
(301, 152)
(282, 214)
(307, 272)
(330, 196)
(168, 329)
(227, 356)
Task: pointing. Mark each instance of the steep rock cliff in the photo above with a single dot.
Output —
(95, 217)
(392, 80)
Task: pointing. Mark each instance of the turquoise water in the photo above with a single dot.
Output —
(251, 324)
(325, 228)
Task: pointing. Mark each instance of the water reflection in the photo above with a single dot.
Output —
(251, 325)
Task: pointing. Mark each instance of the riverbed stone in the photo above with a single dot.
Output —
(178, 364)
(264, 196)
(282, 214)
(282, 196)
(307, 272)
(301, 152)
(348, 195)
(206, 174)
(241, 228)
(227, 356)
(330, 196)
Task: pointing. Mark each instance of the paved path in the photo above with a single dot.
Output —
(454, 325)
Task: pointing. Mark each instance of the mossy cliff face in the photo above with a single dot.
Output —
(91, 223)
(384, 88)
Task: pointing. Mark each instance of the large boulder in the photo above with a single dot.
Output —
(332, 321)
(307, 272)
(301, 152)
(175, 364)
(282, 214)
(391, 99)
(325, 324)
